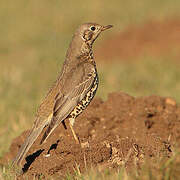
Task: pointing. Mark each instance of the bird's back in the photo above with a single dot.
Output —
(71, 76)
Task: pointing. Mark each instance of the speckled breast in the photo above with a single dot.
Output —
(85, 101)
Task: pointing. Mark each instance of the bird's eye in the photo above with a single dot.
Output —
(93, 28)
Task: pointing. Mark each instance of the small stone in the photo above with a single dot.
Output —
(47, 155)
(85, 144)
(170, 101)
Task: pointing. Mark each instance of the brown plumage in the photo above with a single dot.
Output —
(73, 90)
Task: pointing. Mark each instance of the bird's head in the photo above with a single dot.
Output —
(83, 39)
(90, 31)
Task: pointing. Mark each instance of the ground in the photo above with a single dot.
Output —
(122, 131)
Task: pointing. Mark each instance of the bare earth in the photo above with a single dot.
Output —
(122, 131)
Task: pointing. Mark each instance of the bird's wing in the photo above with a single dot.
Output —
(65, 104)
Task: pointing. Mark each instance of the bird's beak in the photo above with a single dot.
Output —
(106, 27)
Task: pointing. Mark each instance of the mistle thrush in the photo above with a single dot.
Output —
(73, 90)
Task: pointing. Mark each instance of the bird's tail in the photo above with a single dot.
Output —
(26, 146)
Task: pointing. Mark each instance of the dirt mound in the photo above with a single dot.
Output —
(153, 38)
(122, 131)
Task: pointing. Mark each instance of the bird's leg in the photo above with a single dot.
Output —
(74, 134)
(71, 122)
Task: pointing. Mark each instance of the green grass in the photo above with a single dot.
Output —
(34, 36)
(150, 170)
(147, 76)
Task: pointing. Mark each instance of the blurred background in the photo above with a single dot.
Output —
(139, 56)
